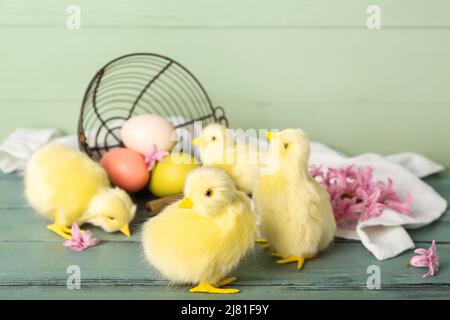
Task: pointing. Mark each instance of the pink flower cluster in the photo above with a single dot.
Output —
(354, 195)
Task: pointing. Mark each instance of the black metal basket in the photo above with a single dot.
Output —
(140, 83)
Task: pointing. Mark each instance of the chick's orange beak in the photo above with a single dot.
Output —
(125, 230)
(186, 203)
(269, 135)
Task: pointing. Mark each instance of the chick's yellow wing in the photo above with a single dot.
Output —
(60, 178)
(184, 234)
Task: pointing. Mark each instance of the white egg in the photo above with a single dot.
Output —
(140, 133)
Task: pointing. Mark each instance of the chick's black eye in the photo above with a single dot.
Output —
(286, 145)
(111, 218)
(209, 193)
(213, 138)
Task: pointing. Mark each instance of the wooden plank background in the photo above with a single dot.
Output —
(307, 63)
(33, 263)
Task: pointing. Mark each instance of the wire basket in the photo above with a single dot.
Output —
(140, 83)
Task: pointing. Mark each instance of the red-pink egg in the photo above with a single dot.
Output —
(126, 169)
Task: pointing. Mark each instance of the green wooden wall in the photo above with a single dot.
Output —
(307, 63)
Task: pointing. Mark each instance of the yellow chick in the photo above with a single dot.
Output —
(201, 238)
(66, 186)
(294, 210)
(240, 160)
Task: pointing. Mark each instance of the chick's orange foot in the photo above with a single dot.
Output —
(300, 261)
(263, 243)
(226, 281)
(69, 230)
(66, 230)
(206, 287)
(276, 254)
(209, 288)
(60, 231)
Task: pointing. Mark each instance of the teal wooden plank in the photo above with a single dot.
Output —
(343, 266)
(34, 263)
(438, 230)
(275, 292)
(14, 210)
(440, 182)
(24, 224)
(12, 191)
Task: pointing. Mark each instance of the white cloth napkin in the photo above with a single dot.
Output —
(18, 147)
(384, 236)
(22, 143)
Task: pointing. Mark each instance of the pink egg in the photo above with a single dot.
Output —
(126, 169)
(140, 133)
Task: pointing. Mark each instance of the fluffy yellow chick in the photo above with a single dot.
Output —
(240, 160)
(66, 186)
(294, 210)
(201, 238)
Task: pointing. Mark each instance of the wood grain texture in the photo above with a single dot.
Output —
(306, 63)
(122, 263)
(339, 273)
(207, 14)
(143, 292)
(269, 66)
(34, 263)
(15, 210)
(301, 63)
(320, 81)
(33, 228)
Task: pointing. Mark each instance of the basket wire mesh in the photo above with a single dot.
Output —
(140, 83)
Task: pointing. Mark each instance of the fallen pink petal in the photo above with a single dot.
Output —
(80, 241)
(426, 258)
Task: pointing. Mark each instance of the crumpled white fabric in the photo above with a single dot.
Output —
(18, 147)
(384, 236)
(22, 143)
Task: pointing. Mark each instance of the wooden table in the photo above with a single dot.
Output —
(34, 264)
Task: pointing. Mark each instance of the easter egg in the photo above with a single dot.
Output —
(169, 174)
(140, 133)
(126, 169)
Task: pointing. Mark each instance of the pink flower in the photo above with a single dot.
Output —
(339, 177)
(386, 191)
(154, 155)
(315, 171)
(402, 207)
(426, 258)
(355, 195)
(347, 208)
(80, 241)
(373, 208)
(364, 177)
